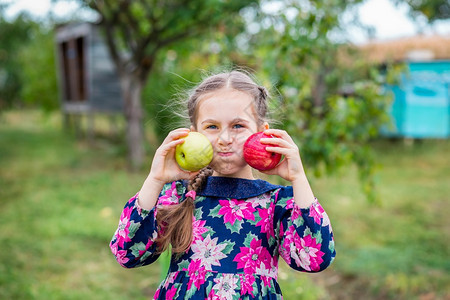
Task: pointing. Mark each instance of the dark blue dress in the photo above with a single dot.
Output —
(240, 228)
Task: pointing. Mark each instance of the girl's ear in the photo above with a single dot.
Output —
(192, 128)
(264, 126)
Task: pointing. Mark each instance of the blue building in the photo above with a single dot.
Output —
(421, 106)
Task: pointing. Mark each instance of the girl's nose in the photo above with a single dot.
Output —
(225, 138)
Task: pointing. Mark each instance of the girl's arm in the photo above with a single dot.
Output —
(291, 168)
(305, 236)
(164, 169)
(133, 243)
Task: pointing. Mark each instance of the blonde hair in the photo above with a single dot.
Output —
(177, 219)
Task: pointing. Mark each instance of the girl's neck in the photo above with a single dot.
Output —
(243, 175)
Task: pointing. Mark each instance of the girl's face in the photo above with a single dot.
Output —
(227, 117)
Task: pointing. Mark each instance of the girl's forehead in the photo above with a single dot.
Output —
(228, 104)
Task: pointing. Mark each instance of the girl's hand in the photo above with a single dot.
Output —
(164, 166)
(291, 167)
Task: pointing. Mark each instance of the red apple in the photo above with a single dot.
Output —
(256, 155)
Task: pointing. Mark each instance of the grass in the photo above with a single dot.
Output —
(61, 197)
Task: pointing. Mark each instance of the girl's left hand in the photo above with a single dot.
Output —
(291, 167)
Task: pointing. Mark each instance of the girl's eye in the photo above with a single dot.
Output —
(238, 126)
(211, 127)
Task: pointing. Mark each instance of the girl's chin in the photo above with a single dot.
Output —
(227, 170)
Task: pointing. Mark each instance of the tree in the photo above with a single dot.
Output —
(36, 61)
(14, 35)
(433, 10)
(136, 31)
(332, 100)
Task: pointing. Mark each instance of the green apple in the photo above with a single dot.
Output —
(195, 153)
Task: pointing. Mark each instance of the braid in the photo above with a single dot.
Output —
(175, 221)
(197, 182)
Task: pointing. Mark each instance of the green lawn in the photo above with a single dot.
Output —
(60, 200)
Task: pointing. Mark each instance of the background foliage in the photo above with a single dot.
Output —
(61, 199)
(328, 97)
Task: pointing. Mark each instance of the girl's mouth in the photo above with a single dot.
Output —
(225, 154)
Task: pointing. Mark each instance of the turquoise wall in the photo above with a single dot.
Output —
(421, 106)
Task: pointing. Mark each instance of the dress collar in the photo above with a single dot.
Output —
(236, 188)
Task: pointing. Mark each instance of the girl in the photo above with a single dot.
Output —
(226, 228)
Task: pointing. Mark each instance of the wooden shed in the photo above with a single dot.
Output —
(88, 81)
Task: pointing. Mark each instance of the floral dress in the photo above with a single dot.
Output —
(240, 228)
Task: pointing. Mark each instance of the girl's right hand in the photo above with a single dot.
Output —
(164, 167)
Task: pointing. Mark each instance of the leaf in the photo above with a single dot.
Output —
(307, 232)
(133, 228)
(198, 213)
(236, 227)
(136, 248)
(298, 222)
(183, 265)
(272, 241)
(249, 238)
(318, 237)
(190, 292)
(331, 246)
(264, 289)
(283, 201)
(199, 198)
(180, 188)
(215, 212)
(210, 232)
(229, 247)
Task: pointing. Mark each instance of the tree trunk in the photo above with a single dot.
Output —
(132, 90)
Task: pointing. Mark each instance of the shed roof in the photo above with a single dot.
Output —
(419, 47)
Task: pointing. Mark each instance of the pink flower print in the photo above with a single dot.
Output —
(261, 201)
(308, 254)
(133, 198)
(296, 213)
(212, 295)
(124, 225)
(121, 257)
(197, 274)
(208, 252)
(150, 242)
(267, 273)
(250, 258)
(158, 291)
(225, 287)
(170, 295)
(170, 279)
(170, 196)
(247, 281)
(326, 221)
(234, 209)
(266, 222)
(198, 228)
(288, 241)
(316, 211)
(114, 247)
(290, 203)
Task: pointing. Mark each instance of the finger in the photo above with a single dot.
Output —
(176, 134)
(288, 152)
(279, 133)
(165, 148)
(277, 141)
